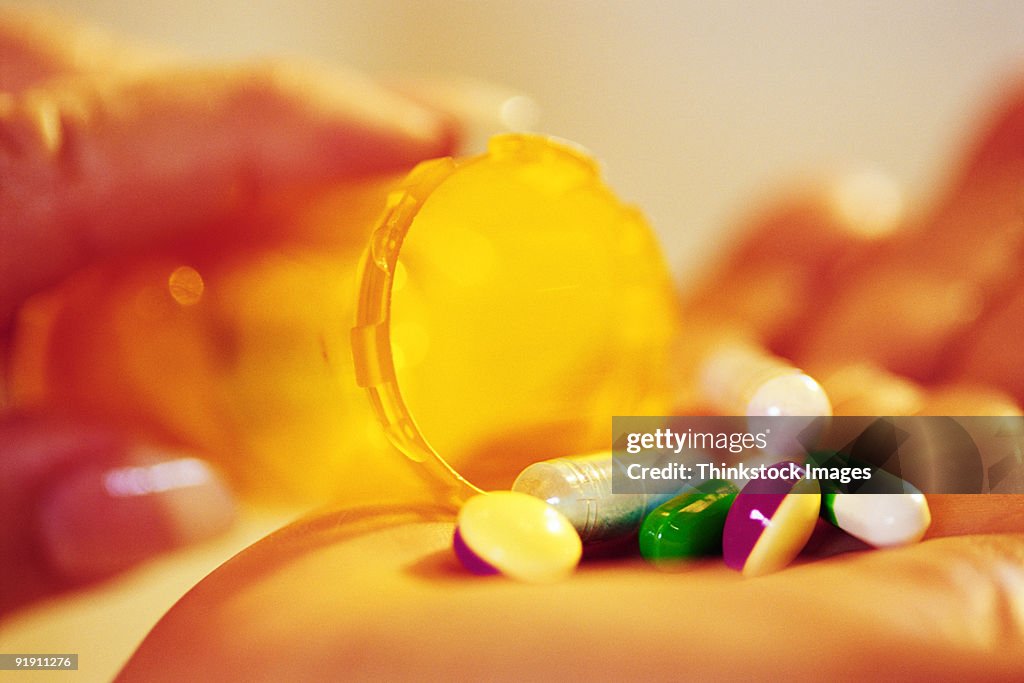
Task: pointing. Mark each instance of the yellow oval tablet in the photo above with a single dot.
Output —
(519, 535)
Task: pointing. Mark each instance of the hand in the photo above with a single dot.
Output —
(375, 592)
(107, 150)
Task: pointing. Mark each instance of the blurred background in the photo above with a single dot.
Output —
(693, 107)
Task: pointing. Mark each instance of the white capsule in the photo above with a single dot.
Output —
(739, 378)
(742, 379)
(883, 520)
(790, 394)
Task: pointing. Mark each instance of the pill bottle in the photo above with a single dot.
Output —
(509, 306)
(506, 307)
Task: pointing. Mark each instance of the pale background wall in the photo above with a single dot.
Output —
(694, 107)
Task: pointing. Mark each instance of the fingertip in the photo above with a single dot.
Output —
(475, 109)
(95, 522)
(357, 125)
(109, 165)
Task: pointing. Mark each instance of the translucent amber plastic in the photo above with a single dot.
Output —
(510, 305)
(528, 306)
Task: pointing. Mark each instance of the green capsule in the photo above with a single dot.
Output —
(689, 525)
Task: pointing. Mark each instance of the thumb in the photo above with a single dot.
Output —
(79, 503)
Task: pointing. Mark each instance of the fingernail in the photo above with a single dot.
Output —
(419, 122)
(484, 104)
(358, 98)
(97, 522)
(480, 108)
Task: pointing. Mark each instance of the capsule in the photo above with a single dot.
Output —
(770, 521)
(516, 535)
(580, 488)
(742, 379)
(689, 525)
(884, 511)
(882, 520)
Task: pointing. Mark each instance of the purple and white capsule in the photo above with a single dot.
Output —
(771, 521)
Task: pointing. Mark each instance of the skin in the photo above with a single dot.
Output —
(390, 602)
(373, 591)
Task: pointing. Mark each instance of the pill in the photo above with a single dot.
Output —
(884, 510)
(742, 379)
(877, 438)
(470, 560)
(770, 521)
(689, 525)
(580, 487)
(517, 535)
(883, 520)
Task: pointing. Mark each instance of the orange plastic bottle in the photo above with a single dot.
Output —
(508, 306)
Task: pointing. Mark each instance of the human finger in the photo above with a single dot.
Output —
(483, 108)
(745, 316)
(986, 354)
(793, 254)
(991, 354)
(103, 166)
(946, 608)
(917, 304)
(864, 388)
(1000, 147)
(79, 503)
(919, 300)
